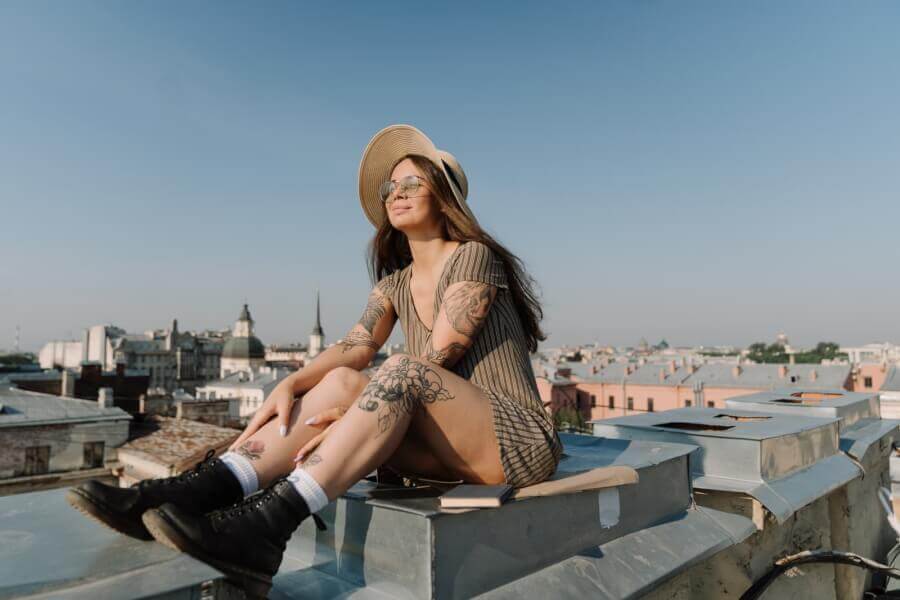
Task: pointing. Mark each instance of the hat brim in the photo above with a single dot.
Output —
(378, 160)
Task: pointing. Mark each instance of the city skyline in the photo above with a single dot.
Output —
(707, 174)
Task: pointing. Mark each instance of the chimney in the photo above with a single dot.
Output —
(782, 371)
(106, 399)
(813, 375)
(642, 361)
(673, 366)
(684, 361)
(736, 371)
(142, 403)
(662, 375)
(67, 386)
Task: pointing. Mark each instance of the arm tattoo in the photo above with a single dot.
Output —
(375, 309)
(357, 338)
(312, 459)
(468, 306)
(399, 388)
(447, 355)
(252, 449)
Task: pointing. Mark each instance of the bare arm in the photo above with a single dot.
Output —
(461, 317)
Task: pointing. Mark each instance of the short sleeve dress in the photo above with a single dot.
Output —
(497, 362)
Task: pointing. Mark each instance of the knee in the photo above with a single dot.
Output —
(345, 379)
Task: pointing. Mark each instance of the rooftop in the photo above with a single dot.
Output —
(169, 441)
(21, 407)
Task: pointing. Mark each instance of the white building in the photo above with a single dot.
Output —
(248, 389)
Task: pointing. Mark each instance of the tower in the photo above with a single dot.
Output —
(243, 351)
(317, 337)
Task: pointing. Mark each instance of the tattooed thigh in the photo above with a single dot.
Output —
(399, 388)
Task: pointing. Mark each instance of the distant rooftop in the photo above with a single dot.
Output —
(21, 407)
(171, 441)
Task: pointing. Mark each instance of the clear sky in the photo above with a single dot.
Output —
(704, 172)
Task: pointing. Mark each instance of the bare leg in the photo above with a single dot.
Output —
(451, 416)
(272, 456)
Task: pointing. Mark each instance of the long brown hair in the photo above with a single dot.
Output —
(389, 250)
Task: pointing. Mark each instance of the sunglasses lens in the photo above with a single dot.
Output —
(385, 190)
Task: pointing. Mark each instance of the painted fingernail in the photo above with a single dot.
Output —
(310, 421)
(299, 458)
(283, 430)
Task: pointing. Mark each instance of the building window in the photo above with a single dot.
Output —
(867, 382)
(94, 454)
(37, 460)
(612, 401)
(687, 403)
(593, 400)
(630, 403)
(711, 404)
(649, 404)
(794, 379)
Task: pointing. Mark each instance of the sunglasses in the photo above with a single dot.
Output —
(406, 186)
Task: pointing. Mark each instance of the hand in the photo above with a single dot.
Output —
(329, 418)
(278, 404)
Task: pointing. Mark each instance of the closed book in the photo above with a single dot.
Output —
(475, 496)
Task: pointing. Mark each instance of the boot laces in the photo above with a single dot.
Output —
(183, 476)
(216, 517)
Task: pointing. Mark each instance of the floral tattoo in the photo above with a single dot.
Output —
(252, 449)
(399, 388)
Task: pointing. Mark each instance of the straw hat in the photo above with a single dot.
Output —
(383, 151)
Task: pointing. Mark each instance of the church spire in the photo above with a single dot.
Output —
(317, 330)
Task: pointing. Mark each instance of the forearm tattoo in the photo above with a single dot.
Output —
(398, 388)
(468, 306)
(447, 355)
(252, 449)
(375, 309)
(357, 338)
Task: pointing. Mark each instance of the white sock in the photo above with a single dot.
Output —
(309, 488)
(243, 470)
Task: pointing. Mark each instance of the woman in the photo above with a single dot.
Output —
(461, 404)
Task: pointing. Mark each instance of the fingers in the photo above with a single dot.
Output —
(312, 444)
(326, 416)
(284, 415)
(258, 420)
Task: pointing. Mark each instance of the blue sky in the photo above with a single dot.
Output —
(704, 172)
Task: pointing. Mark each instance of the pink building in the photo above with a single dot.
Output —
(601, 390)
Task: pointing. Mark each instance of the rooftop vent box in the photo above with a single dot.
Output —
(849, 407)
(859, 414)
(784, 461)
(411, 548)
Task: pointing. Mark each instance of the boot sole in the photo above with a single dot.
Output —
(254, 583)
(99, 512)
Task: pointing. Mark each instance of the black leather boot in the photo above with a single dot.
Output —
(209, 485)
(245, 541)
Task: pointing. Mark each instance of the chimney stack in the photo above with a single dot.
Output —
(673, 366)
(736, 371)
(67, 386)
(813, 375)
(106, 398)
(782, 371)
(662, 375)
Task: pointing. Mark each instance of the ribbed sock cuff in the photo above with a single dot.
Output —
(243, 470)
(309, 489)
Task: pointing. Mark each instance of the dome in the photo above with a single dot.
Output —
(244, 347)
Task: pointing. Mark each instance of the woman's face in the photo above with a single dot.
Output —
(412, 210)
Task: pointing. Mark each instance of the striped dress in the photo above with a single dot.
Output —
(497, 362)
